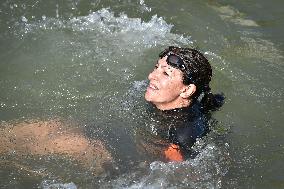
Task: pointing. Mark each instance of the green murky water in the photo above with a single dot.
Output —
(89, 60)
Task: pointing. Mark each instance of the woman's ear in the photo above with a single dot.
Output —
(188, 91)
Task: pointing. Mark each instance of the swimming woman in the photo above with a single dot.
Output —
(178, 89)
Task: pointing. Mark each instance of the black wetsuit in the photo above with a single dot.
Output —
(180, 126)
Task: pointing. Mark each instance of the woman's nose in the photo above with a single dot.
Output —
(152, 75)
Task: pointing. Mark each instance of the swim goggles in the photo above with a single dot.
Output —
(177, 61)
(173, 59)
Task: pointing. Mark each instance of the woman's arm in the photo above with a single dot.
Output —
(53, 137)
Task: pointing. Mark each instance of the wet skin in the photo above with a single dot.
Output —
(166, 89)
(53, 137)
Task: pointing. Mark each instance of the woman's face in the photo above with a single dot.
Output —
(165, 85)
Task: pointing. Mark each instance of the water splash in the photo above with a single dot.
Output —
(47, 184)
(152, 33)
(204, 171)
(144, 6)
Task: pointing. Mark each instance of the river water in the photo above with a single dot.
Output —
(88, 61)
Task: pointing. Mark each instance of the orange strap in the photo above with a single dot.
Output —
(173, 153)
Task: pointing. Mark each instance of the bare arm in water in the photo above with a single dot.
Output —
(53, 137)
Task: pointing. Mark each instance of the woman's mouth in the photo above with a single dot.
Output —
(152, 86)
(151, 92)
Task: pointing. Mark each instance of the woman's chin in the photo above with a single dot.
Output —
(150, 95)
(147, 97)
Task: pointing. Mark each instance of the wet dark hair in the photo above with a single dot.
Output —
(196, 70)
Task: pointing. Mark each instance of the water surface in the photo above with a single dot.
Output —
(88, 61)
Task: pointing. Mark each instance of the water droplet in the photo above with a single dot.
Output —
(24, 19)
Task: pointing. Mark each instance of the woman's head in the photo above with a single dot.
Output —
(193, 64)
(180, 76)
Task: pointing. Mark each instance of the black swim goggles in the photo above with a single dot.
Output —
(173, 59)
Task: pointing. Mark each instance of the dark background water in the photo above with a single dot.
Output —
(88, 60)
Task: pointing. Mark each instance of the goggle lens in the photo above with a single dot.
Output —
(175, 61)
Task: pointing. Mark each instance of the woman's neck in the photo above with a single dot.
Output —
(174, 105)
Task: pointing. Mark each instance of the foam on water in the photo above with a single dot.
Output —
(152, 33)
(46, 184)
(204, 171)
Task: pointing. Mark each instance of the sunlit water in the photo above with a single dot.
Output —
(89, 61)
